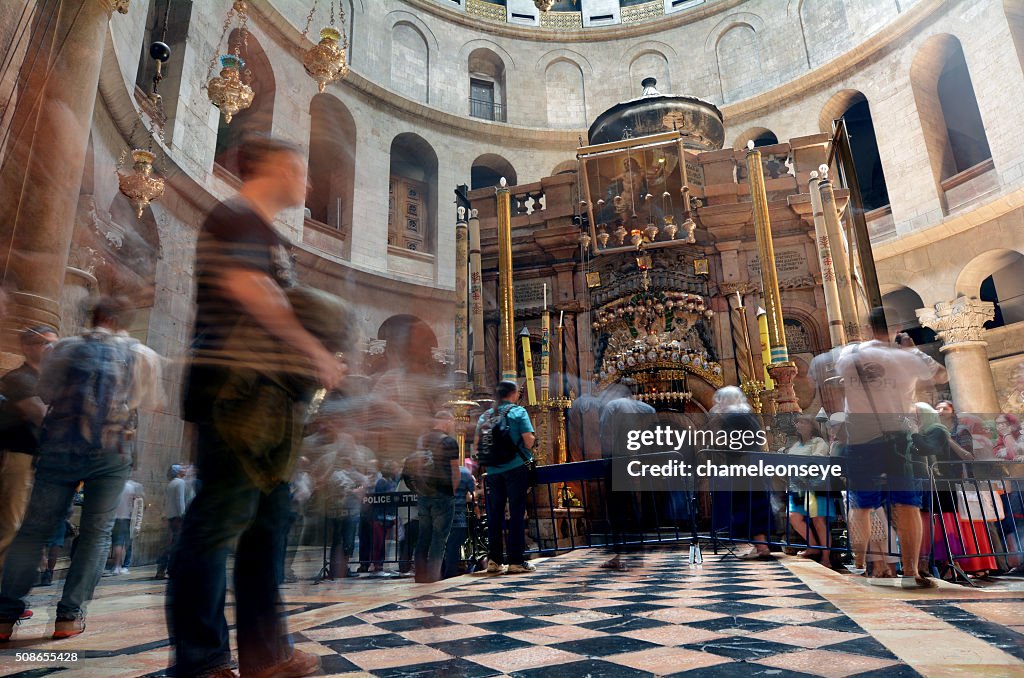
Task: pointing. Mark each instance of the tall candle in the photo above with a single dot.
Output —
(561, 317)
(545, 296)
(766, 351)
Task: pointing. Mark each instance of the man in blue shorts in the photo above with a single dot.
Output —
(880, 379)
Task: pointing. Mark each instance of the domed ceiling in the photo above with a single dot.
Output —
(574, 14)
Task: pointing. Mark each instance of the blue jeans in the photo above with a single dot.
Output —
(57, 476)
(435, 522)
(508, 488)
(453, 552)
(227, 507)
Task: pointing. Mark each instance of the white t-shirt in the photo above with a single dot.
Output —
(892, 374)
(131, 490)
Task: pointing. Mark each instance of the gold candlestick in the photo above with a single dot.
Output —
(505, 291)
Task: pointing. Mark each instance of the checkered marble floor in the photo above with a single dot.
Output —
(571, 618)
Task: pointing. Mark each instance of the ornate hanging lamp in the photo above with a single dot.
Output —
(326, 61)
(228, 91)
(544, 5)
(141, 186)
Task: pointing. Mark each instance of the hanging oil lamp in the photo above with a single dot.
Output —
(228, 91)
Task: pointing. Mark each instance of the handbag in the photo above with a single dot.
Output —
(979, 502)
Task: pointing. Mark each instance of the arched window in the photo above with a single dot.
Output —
(761, 136)
(332, 162)
(901, 306)
(853, 107)
(563, 81)
(739, 62)
(996, 276)
(488, 170)
(412, 194)
(487, 92)
(167, 21)
(259, 117)
(953, 131)
(410, 62)
(650, 64)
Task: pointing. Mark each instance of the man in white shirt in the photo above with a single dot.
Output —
(880, 379)
(121, 536)
(177, 496)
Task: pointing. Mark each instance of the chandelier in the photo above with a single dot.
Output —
(325, 62)
(228, 91)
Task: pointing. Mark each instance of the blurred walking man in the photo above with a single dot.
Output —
(247, 398)
(94, 384)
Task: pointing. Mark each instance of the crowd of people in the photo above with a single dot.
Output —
(276, 462)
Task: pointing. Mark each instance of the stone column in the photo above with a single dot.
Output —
(960, 326)
(46, 150)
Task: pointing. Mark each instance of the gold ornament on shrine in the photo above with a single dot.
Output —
(230, 91)
(326, 61)
(141, 187)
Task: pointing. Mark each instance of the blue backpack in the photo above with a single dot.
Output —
(90, 412)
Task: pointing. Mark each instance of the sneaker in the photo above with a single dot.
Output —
(123, 570)
(111, 573)
(494, 568)
(521, 568)
(160, 574)
(46, 579)
(298, 665)
(27, 614)
(7, 630)
(66, 628)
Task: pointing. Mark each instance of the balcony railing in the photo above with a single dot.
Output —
(486, 110)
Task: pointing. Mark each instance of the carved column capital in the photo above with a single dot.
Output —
(729, 290)
(959, 321)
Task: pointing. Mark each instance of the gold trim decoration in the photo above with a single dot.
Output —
(638, 13)
(486, 10)
(562, 21)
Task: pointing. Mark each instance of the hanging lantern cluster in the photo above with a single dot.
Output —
(229, 91)
(325, 61)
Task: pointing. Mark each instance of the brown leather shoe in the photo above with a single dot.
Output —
(298, 665)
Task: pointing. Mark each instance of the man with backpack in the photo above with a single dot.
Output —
(432, 472)
(504, 438)
(94, 384)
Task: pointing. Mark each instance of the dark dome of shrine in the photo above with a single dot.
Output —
(653, 112)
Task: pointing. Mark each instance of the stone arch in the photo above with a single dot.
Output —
(738, 56)
(996, 275)
(566, 94)
(410, 341)
(649, 63)
(410, 61)
(901, 305)
(259, 117)
(488, 169)
(954, 134)
(565, 167)
(853, 107)
(823, 19)
(761, 136)
(332, 162)
(802, 314)
(488, 90)
(413, 197)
